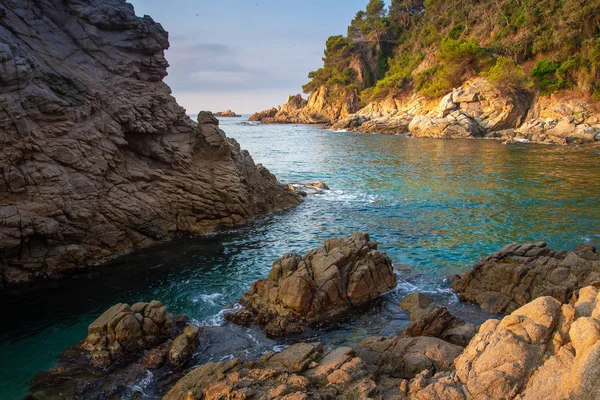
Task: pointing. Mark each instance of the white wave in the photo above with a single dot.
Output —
(219, 318)
(345, 196)
(208, 298)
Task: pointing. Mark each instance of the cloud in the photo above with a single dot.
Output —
(198, 67)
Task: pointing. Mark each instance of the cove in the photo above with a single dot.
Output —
(435, 205)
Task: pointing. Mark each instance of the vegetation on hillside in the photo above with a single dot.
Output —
(431, 46)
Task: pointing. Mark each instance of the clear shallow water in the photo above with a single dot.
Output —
(435, 205)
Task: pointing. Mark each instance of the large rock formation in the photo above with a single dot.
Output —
(517, 274)
(327, 282)
(324, 106)
(96, 157)
(542, 351)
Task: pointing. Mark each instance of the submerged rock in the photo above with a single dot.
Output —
(311, 188)
(427, 319)
(96, 156)
(517, 274)
(327, 282)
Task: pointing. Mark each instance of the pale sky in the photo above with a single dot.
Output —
(245, 55)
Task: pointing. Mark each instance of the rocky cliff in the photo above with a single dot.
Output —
(96, 157)
(479, 109)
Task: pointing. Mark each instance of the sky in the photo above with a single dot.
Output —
(245, 55)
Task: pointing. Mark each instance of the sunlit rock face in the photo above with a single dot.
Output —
(96, 157)
(327, 282)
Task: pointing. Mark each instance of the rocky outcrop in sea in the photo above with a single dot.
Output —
(326, 283)
(96, 157)
(228, 114)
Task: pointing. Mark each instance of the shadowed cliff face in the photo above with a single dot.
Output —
(96, 157)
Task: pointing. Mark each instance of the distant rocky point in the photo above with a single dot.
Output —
(227, 113)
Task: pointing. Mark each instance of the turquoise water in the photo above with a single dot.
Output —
(435, 205)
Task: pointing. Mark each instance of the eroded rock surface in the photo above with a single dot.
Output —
(327, 282)
(379, 368)
(543, 350)
(96, 157)
(517, 274)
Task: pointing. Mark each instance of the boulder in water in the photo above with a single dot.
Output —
(327, 282)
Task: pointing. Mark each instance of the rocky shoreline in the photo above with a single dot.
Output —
(478, 109)
(546, 348)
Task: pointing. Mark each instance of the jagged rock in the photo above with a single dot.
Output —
(228, 113)
(96, 157)
(517, 274)
(473, 110)
(122, 330)
(327, 282)
(121, 346)
(338, 373)
(455, 125)
(544, 350)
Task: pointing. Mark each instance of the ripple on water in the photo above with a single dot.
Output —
(436, 205)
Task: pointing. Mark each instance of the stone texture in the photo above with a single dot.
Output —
(544, 350)
(438, 322)
(407, 357)
(96, 157)
(183, 346)
(517, 274)
(327, 282)
(338, 373)
(122, 330)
